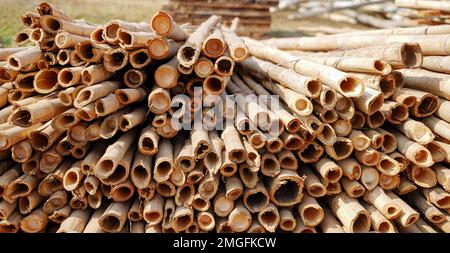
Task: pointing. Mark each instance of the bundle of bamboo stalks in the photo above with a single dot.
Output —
(93, 134)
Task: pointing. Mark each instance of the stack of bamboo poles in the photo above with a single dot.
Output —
(254, 15)
(425, 11)
(88, 140)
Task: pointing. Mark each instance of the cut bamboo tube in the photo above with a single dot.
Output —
(269, 217)
(139, 58)
(287, 219)
(428, 81)
(27, 203)
(443, 175)
(433, 214)
(73, 177)
(182, 218)
(330, 224)
(121, 172)
(327, 116)
(123, 191)
(314, 186)
(91, 184)
(94, 92)
(415, 152)
(61, 214)
(11, 224)
(160, 48)
(222, 226)
(437, 196)
(115, 59)
(206, 220)
(203, 67)
(248, 175)
(438, 126)
(389, 182)
(328, 170)
(133, 40)
(53, 182)
(405, 187)
(89, 162)
(416, 131)
(95, 74)
(370, 101)
(163, 25)
(375, 120)
(134, 78)
(159, 100)
(76, 222)
(24, 59)
(353, 216)
(408, 215)
(345, 107)
(379, 222)
(353, 188)
(191, 49)
(224, 65)
(310, 211)
(369, 177)
(97, 35)
(114, 217)
(21, 152)
(35, 222)
(233, 188)
(341, 149)
(389, 143)
(240, 218)
(164, 161)
(334, 188)
(287, 160)
(66, 40)
(388, 165)
(20, 187)
(286, 188)
(90, 52)
(110, 32)
(311, 153)
(166, 189)
(141, 170)
(147, 192)
(359, 140)
(383, 203)
(132, 119)
(386, 84)
(350, 168)
(214, 45)
(148, 141)
(200, 204)
(114, 153)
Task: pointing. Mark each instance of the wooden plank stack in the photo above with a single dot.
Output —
(254, 16)
(92, 137)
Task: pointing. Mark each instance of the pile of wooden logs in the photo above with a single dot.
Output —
(254, 15)
(93, 134)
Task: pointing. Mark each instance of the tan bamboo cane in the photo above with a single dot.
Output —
(66, 40)
(314, 185)
(21, 186)
(428, 81)
(91, 184)
(21, 152)
(115, 59)
(389, 182)
(110, 32)
(405, 186)
(425, 227)
(310, 153)
(248, 175)
(330, 224)
(79, 199)
(359, 140)
(123, 191)
(191, 49)
(11, 224)
(431, 213)
(354, 64)
(132, 119)
(75, 222)
(122, 171)
(68, 95)
(286, 181)
(159, 100)
(7, 74)
(349, 211)
(347, 85)
(383, 203)
(344, 107)
(24, 59)
(90, 52)
(369, 177)
(31, 167)
(133, 40)
(287, 219)
(224, 65)
(353, 188)
(134, 78)
(148, 191)
(163, 161)
(287, 160)
(139, 58)
(50, 159)
(163, 25)
(310, 211)
(7, 209)
(424, 177)
(206, 220)
(89, 162)
(329, 43)
(222, 226)
(426, 103)
(444, 226)
(334, 188)
(443, 175)
(350, 168)
(148, 141)
(95, 200)
(394, 112)
(420, 4)
(408, 216)
(114, 153)
(26, 204)
(114, 217)
(438, 126)
(256, 227)
(233, 188)
(214, 45)
(35, 222)
(166, 75)
(45, 8)
(368, 157)
(6, 52)
(43, 138)
(108, 105)
(270, 165)
(269, 217)
(128, 96)
(240, 218)
(437, 196)
(53, 182)
(341, 149)
(328, 170)
(213, 159)
(97, 35)
(74, 59)
(436, 63)
(379, 222)
(182, 218)
(415, 152)
(73, 177)
(95, 74)
(416, 131)
(200, 204)
(160, 48)
(141, 170)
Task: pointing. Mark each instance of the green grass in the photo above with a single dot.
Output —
(94, 11)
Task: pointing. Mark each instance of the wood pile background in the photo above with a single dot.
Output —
(90, 140)
(369, 13)
(254, 15)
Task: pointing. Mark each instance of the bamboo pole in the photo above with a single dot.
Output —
(349, 211)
